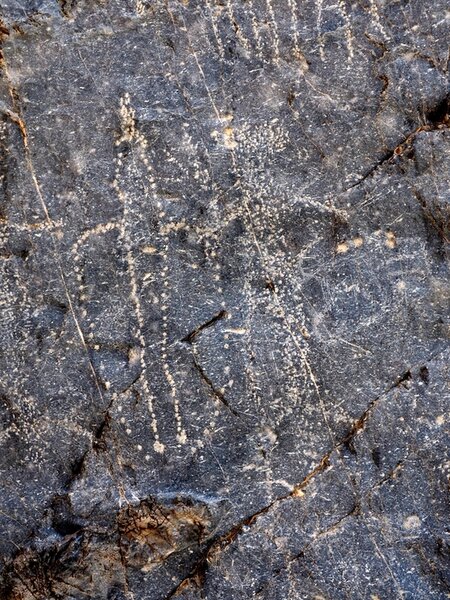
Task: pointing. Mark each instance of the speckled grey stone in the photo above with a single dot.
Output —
(224, 361)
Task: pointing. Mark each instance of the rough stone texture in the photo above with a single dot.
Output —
(224, 299)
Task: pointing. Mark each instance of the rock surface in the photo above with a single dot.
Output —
(224, 299)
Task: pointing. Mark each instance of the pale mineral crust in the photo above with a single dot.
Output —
(224, 299)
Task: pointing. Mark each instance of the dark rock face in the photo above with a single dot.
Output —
(224, 299)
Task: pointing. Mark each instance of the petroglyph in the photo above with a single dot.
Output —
(224, 299)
